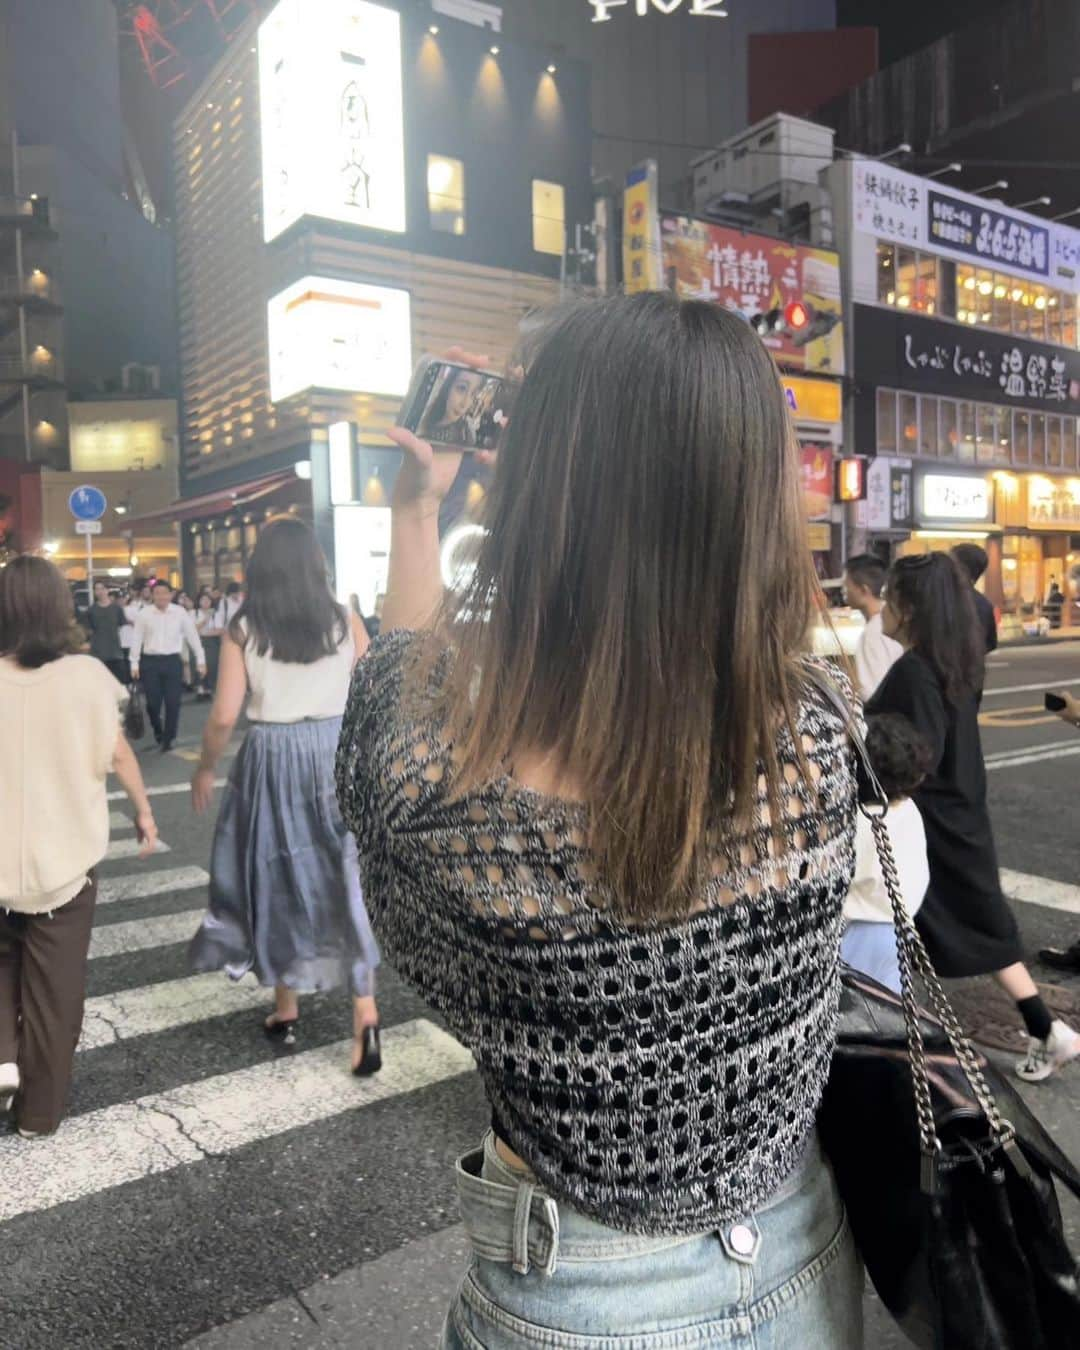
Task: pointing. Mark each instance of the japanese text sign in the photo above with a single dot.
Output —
(641, 229)
(996, 236)
(953, 497)
(752, 274)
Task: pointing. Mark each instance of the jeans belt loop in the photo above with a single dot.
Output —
(522, 1215)
(520, 1239)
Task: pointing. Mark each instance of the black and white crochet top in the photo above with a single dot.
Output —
(661, 1079)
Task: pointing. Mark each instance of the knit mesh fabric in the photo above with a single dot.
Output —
(660, 1078)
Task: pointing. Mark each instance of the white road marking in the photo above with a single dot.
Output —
(1041, 891)
(1041, 687)
(141, 935)
(139, 885)
(1016, 752)
(120, 820)
(158, 1133)
(153, 1008)
(1035, 756)
(168, 790)
(129, 848)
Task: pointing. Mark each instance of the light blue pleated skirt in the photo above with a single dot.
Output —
(285, 898)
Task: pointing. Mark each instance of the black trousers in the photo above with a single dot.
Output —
(118, 667)
(212, 648)
(162, 680)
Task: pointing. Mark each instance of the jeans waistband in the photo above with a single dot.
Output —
(510, 1218)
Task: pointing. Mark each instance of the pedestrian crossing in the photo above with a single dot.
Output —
(183, 1114)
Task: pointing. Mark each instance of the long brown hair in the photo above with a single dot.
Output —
(289, 608)
(643, 587)
(37, 617)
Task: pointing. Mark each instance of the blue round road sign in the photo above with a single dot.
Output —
(87, 503)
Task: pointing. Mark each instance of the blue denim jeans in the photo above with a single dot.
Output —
(784, 1278)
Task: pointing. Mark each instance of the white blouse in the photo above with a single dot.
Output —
(288, 692)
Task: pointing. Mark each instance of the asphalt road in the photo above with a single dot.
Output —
(205, 1190)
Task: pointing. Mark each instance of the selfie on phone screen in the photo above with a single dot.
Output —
(464, 408)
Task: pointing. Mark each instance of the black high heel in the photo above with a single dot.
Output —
(372, 1061)
(283, 1031)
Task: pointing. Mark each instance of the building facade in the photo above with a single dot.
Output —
(349, 197)
(963, 348)
(85, 278)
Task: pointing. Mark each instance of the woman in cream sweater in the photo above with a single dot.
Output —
(59, 720)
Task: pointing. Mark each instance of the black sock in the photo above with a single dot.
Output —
(1036, 1016)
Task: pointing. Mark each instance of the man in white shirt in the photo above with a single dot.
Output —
(864, 577)
(157, 644)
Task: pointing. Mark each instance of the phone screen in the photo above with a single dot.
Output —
(1054, 703)
(458, 407)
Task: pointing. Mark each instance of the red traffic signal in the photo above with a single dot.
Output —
(797, 316)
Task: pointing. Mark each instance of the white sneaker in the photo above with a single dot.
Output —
(9, 1085)
(1044, 1058)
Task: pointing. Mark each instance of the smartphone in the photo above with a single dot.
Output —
(456, 407)
(1054, 703)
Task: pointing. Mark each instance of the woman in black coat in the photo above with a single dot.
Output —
(965, 920)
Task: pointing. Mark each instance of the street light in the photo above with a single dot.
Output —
(1035, 201)
(1001, 184)
(954, 167)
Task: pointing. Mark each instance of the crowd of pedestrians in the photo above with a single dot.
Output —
(595, 807)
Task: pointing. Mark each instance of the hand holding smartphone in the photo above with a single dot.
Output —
(457, 407)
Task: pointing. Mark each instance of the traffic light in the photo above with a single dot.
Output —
(798, 321)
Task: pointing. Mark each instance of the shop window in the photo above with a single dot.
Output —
(967, 298)
(446, 194)
(1001, 304)
(982, 297)
(1004, 435)
(909, 424)
(928, 427)
(1068, 443)
(1038, 439)
(886, 422)
(985, 433)
(1054, 319)
(1037, 323)
(1068, 319)
(946, 287)
(965, 425)
(1053, 442)
(1021, 437)
(948, 433)
(906, 276)
(886, 274)
(926, 284)
(549, 217)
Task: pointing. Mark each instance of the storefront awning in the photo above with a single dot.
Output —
(214, 503)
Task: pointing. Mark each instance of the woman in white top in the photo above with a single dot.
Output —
(285, 898)
(59, 715)
(901, 759)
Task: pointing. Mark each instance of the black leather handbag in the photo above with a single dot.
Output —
(948, 1179)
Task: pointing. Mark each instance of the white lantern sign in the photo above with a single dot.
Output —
(342, 335)
(330, 91)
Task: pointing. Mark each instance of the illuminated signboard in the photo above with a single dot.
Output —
(950, 497)
(329, 334)
(330, 90)
(813, 400)
(701, 9)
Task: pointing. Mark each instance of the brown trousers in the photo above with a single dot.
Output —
(42, 991)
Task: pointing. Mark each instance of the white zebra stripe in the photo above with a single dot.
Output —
(140, 935)
(167, 1130)
(154, 1008)
(141, 885)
